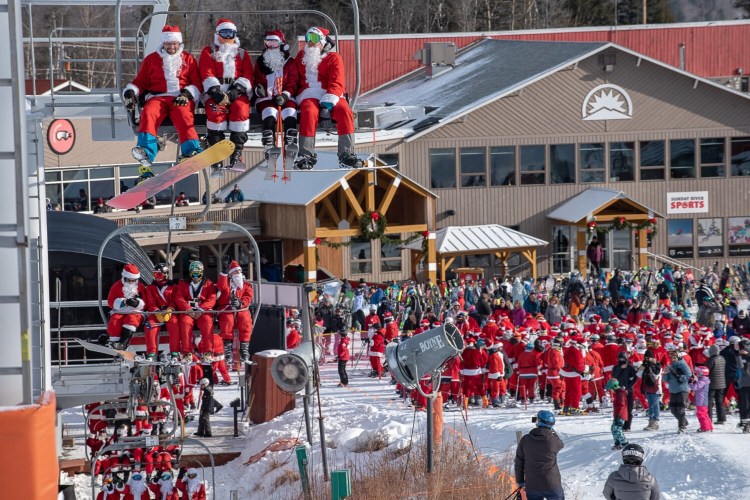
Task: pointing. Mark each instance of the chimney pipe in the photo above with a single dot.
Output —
(682, 56)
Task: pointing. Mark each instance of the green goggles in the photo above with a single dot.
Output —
(313, 37)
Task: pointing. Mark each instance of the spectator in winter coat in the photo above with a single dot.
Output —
(595, 254)
(699, 386)
(635, 314)
(731, 357)
(677, 376)
(741, 324)
(619, 413)
(342, 355)
(531, 305)
(650, 373)
(718, 384)
(626, 375)
(536, 460)
(555, 311)
(518, 314)
(615, 282)
(744, 382)
(632, 481)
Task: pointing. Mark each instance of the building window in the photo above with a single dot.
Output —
(562, 160)
(652, 160)
(79, 189)
(740, 156)
(390, 255)
(503, 166)
(622, 161)
(361, 258)
(473, 167)
(533, 165)
(442, 168)
(712, 157)
(563, 238)
(592, 162)
(682, 159)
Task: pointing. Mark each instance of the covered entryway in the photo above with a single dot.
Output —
(622, 225)
(500, 241)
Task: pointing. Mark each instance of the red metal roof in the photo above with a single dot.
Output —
(712, 50)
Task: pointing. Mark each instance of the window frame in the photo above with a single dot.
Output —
(397, 258)
(695, 160)
(732, 142)
(447, 152)
(610, 156)
(523, 172)
(552, 165)
(483, 176)
(723, 164)
(602, 169)
(514, 178)
(652, 168)
(358, 261)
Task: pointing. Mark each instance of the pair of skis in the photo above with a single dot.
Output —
(281, 147)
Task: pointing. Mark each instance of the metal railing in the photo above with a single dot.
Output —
(244, 213)
(672, 262)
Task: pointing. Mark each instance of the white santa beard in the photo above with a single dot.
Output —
(137, 488)
(166, 488)
(193, 485)
(237, 283)
(312, 58)
(129, 289)
(274, 59)
(172, 65)
(226, 55)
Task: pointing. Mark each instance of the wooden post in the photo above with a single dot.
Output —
(642, 248)
(431, 259)
(532, 259)
(309, 261)
(581, 247)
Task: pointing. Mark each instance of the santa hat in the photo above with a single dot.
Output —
(131, 272)
(170, 34)
(234, 266)
(388, 316)
(225, 24)
(323, 33)
(277, 35)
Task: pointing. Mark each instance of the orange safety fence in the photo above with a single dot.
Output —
(28, 456)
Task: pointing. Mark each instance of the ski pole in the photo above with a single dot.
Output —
(513, 493)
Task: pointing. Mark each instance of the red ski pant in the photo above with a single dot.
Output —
(244, 325)
(572, 391)
(377, 364)
(472, 385)
(419, 400)
(119, 321)
(179, 401)
(205, 324)
(730, 393)
(152, 329)
(450, 389)
(157, 109)
(219, 367)
(513, 382)
(497, 387)
(596, 389)
(238, 113)
(310, 112)
(557, 388)
(638, 394)
(526, 387)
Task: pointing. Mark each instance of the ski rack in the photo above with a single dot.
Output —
(147, 442)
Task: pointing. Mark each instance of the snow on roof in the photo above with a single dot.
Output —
(483, 72)
(489, 237)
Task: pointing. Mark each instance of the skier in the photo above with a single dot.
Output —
(159, 297)
(136, 488)
(495, 374)
(276, 80)
(619, 412)
(163, 487)
(206, 405)
(571, 372)
(632, 480)
(321, 87)
(196, 296)
(342, 356)
(226, 70)
(626, 375)
(126, 305)
(234, 293)
(169, 82)
(474, 359)
(553, 361)
(536, 467)
(192, 487)
(651, 386)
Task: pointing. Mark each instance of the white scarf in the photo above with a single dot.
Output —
(226, 55)
(172, 65)
(312, 58)
(274, 59)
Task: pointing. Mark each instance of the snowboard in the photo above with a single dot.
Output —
(125, 355)
(150, 187)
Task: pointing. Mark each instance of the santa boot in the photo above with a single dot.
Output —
(228, 352)
(347, 157)
(125, 336)
(245, 351)
(306, 158)
(556, 402)
(235, 161)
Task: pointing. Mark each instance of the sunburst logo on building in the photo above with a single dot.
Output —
(607, 102)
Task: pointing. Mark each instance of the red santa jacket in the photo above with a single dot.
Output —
(474, 359)
(224, 289)
(609, 355)
(154, 78)
(372, 320)
(529, 362)
(514, 351)
(452, 371)
(116, 299)
(391, 331)
(573, 364)
(223, 69)
(596, 364)
(198, 494)
(328, 79)
(490, 333)
(342, 350)
(553, 362)
(165, 491)
(293, 338)
(495, 365)
(204, 295)
(265, 76)
(377, 344)
(159, 298)
(109, 495)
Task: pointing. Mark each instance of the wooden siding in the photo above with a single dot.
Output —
(284, 221)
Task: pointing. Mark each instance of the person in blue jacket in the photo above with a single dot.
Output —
(677, 376)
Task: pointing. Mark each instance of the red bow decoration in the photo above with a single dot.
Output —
(592, 224)
(426, 234)
(652, 221)
(375, 216)
(621, 220)
(317, 241)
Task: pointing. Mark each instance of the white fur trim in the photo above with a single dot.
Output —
(269, 111)
(130, 276)
(133, 88)
(226, 26)
(288, 112)
(310, 93)
(221, 126)
(211, 81)
(233, 269)
(471, 371)
(170, 36)
(194, 92)
(274, 37)
(334, 99)
(242, 126)
(244, 82)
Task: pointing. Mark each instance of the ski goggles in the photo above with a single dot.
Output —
(227, 34)
(196, 276)
(272, 44)
(313, 37)
(192, 475)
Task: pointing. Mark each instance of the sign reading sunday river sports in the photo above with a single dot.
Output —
(694, 202)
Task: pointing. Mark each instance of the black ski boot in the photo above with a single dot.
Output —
(228, 352)
(213, 137)
(235, 161)
(291, 148)
(267, 140)
(245, 351)
(350, 160)
(306, 162)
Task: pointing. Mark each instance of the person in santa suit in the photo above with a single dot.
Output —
(168, 83)
(192, 487)
(197, 296)
(109, 490)
(571, 373)
(158, 297)
(163, 487)
(391, 328)
(234, 293)
(293, 338)
(97, 419)
(377, 351)
(321, 92)
(552, 359)
(276, 79)
(136, 488)
(125, 305)
(496, 374)
(474, 358)
(218, 363)
(227, 74)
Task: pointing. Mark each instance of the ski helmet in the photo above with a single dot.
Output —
(612, 384)
(545, 418)
(633, 454)
(161, 270)
(196, 270)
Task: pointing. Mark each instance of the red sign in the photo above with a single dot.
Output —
(61, 136)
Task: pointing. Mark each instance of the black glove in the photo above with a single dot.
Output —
(366, 341)
(132, 302)
(280, 99)
(183, 99)
(225, 264)
(236, 303)
(129, 99)
(259, 90)
(235, 91)
(216, 94)
(119, 484)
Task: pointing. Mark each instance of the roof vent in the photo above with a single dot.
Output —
(437, 57)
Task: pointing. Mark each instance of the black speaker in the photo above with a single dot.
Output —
(268, 330)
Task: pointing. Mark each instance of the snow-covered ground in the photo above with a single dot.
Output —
(688, 466)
